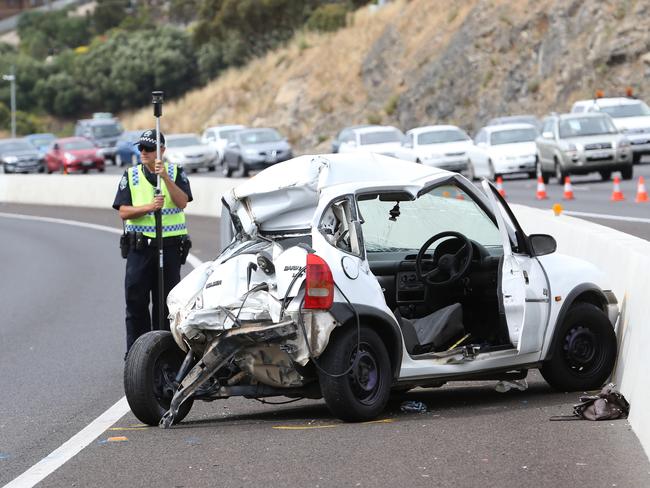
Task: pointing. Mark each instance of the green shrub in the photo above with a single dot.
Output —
(391, 105)
(328, 18)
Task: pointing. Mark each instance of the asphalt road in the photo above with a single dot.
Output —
(61, 354)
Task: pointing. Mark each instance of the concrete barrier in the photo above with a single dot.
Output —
(625, 258)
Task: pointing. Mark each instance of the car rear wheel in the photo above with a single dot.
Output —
(362, 393)
(627, 172)
(584, 351)
(242, 171)
(560, 173)
(149, 377)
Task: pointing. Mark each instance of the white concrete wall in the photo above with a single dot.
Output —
(625, 258)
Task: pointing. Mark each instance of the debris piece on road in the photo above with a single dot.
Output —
(120, 438)
(413, 406)
(609, 404)
(504, 385)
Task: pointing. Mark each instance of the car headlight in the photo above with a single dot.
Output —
(571, 150)
(434, 156)
(623, 143)
(69, 157)
(11, 159)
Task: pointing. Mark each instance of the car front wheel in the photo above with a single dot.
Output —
(584, 351)
(627, 172)
(361, 394)
(149, 377)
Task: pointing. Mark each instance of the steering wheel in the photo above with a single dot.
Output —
(448, 268)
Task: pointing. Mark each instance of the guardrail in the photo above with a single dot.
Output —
(625, 258)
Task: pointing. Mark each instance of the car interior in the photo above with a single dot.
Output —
(441, 280)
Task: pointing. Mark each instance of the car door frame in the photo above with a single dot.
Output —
(524, 288)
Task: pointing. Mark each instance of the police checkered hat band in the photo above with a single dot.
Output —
(148, 138)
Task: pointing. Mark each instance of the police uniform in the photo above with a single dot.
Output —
(136, 188)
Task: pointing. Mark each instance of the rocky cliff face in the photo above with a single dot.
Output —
(426, 62)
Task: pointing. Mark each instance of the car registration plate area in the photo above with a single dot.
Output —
(599, 155)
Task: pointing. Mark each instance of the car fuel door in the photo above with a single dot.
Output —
(524, 291)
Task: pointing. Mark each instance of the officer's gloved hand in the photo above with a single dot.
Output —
(157, 202)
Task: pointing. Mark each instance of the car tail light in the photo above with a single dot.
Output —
(319, 290)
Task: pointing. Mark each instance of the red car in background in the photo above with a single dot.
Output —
(73, 154)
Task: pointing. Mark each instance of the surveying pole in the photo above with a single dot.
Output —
(157, 100)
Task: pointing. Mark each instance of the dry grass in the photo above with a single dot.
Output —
(277, 88)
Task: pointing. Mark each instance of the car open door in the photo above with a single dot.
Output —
(524, 290)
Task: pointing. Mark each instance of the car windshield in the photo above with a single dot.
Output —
(225, 134)
(441, 136)
(106, 130)
(77, 144)
(438, 210)
(380, 137)
(16, 146)
(42, 140)
(259, 136)
(627, 110)
(586, 126)
(512, 136)
(515, 119)
(183, 141)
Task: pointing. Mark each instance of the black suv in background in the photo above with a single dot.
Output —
(103, 132)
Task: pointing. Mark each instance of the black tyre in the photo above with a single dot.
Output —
(584, 351)
(212, 167)
(149, 372)
(606, 175)
(627, 172)
(361, 394)
(636, 158)
(560, 173)
(532, 175)
(226, 170)
(242, 171)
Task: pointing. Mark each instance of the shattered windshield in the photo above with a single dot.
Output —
(406, 225)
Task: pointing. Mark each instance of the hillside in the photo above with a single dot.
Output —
(421, 62)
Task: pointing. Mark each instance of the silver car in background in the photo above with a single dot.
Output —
(217, 138)
(188, 151)
(582, 144)
(253, 149)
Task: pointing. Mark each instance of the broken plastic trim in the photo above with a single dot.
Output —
(220, 351)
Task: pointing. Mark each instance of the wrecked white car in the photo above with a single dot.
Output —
(352, 275)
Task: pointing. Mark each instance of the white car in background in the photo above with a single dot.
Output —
(442, 146)
(630, 116)
(379, 139)
(217, 138)
(188, 151)
(506, 149)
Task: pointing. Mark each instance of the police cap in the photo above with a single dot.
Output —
(148, 139)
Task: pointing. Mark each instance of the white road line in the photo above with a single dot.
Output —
(606, 216)
(71, 448)
(88, 434)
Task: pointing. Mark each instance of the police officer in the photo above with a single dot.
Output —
(136, 202)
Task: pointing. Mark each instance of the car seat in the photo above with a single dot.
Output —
(433, 332)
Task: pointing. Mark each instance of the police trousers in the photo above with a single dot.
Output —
(141, 287)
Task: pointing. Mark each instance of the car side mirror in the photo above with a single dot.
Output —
(542, 244)
(56, 147)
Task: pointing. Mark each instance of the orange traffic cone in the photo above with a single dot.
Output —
(500, 189)
(541, 189)
(617, 194)
(641, 193)
(568, 190)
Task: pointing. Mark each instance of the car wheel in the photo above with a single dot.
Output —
(584, 351)
(212, 167)
(560, 174)
(118, 160)
(491, 173)
(627, 172)
(242, 171)
(363, 392)
(471, 174)
(149, 377)
(226, 170)
(41, 169)
(101, 170)
(606, 175)
(532, 175)
(636, 158)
